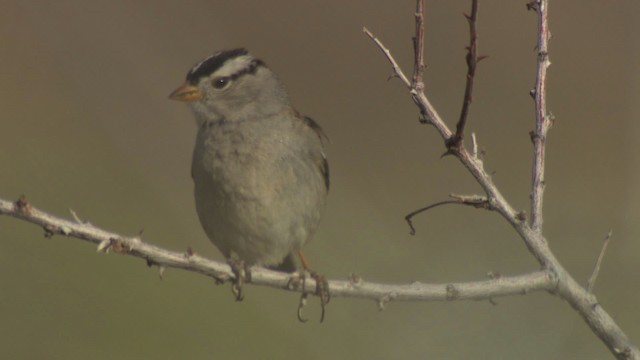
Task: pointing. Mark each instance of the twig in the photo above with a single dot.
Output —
(596, 269)
(396, 68)
(475, 201)
(353, 288)
(543, 120)
(472, 60)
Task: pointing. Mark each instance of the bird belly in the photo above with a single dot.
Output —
(257, 206)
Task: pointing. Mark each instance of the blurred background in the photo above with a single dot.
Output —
(85, 124)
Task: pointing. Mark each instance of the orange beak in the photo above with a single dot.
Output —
(186, 93)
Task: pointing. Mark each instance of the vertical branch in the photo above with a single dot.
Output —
(472, 60)
(543, 119)
(417, 83)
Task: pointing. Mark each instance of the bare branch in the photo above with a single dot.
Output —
(596, 268)
(543, 118)
(396, 68)
(354, 287)
(568, 289)
(417, 83)
(472, 60)
(472, 200)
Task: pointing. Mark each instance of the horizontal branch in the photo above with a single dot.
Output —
(354, 287)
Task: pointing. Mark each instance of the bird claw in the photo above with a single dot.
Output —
(241, 274)
(322, 291)
(301, 305)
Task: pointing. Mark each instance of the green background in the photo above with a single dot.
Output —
(85, 124)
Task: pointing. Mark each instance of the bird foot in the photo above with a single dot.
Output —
(322, 291)
(242, 275)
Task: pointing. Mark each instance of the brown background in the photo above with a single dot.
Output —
(85, 123)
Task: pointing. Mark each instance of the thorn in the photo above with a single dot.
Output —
(104, 246)
(385, 299)
(393, 76)
(75, 216)
(447, 153)
(474, 145)
(381, 303)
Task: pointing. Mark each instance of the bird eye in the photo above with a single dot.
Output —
(221, 83)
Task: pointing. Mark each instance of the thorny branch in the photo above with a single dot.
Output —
(584, 302)
(543, 119)
(354, 287)
(472, 60)
(418, 49)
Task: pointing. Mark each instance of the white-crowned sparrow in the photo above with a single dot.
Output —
(261, 176)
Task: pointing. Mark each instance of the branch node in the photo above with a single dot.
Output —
(189, 253)
(118, 246)
(22, 205)
(355, 280)
(50, 230)
(452, 292)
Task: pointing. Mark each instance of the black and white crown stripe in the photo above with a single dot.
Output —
(244, 63)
